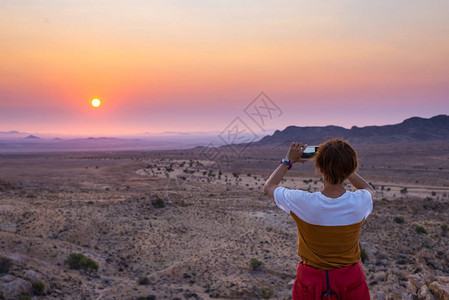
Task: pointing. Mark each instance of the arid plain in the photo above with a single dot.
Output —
(184, 224)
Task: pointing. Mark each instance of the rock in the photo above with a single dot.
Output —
(191, 295)
(403, 255)
(433, 264)
(415, 281)
(285, 294)
(33, 276)
(396, 293)
(15, 287)
(380, 295)
(443, 279)
(380, 276)
(393, 278)
(440, 290)
(384, 262)
(7, 278)
(425, 294)
(411, 286)
(402, 259)
(407, 296)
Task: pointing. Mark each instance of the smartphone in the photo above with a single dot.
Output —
(309, 152)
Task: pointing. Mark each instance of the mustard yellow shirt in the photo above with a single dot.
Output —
(328, 228)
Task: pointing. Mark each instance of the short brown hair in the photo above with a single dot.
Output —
(337, 160)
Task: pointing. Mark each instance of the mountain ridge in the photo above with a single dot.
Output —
(410, 130)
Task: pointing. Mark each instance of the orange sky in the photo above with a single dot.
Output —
(194, 66)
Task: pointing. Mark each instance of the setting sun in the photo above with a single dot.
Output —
(95, 102)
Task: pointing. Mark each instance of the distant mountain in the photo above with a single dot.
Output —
(182, 133)
(12, 134)
(35, 144)
(101, 138)
(411, 130)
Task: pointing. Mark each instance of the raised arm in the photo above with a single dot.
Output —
(273, 181)
(359, 183)
(294, 155)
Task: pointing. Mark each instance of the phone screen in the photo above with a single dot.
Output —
(309, 152)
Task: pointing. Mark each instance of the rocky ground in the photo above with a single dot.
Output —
(167, 225)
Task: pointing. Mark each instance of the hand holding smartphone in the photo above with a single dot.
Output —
(309, 152)
(297, 153)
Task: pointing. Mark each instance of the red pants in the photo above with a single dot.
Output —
(341, 283)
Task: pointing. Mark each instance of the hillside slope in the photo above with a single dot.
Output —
(410, 130)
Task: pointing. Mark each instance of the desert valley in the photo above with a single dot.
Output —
(183, 224)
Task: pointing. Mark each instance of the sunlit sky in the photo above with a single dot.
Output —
(195, 65)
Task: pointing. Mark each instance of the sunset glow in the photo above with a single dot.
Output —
(192, 66)
(95, 102)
